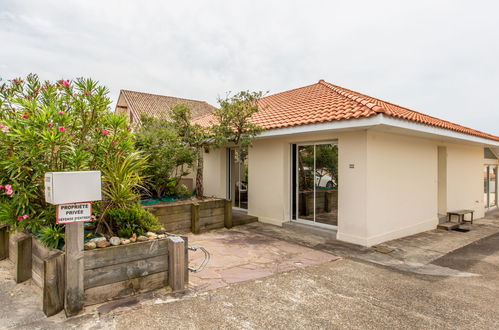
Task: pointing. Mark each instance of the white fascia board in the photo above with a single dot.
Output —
(413, 126)
(377, 120)
(319, 127)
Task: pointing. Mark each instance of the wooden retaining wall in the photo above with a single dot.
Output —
(124, 270)
(193, 217)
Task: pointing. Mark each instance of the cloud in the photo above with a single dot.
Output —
(439, 58)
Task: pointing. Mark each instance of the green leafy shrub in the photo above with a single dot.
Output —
(52, 236)
(133, 220)
(182, 190)
(169, 157)
(58, 126)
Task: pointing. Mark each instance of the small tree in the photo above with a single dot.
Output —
(195, 137)
(232, 120)
(168, 155)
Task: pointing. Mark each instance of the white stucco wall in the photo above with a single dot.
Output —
(391, 190)
(215, 173)
(402, 186)
(465, 178)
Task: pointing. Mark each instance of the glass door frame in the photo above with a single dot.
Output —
(296, 196)
(488, 167)
(230, 184)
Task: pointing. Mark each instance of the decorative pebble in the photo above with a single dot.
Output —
(133, 239)
(89, 246)
(98, 239)
(150, 233)
(161, 236)
(161, 231)
(103, 244)
(115, 241)
(152, 237)
(125, 241)
(141, 238)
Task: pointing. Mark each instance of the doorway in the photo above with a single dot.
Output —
(490, 186)
(315, 184)
(237, 190)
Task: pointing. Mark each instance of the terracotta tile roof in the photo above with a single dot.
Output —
(325, 102)
(158, 106)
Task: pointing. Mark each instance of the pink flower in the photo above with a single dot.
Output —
(50, 124)
(65, 83)
(114, 143)
(86, 93)
(61, 112)
(19, 218)
(1, 187)
(8, 187)
(61, 129)
(25, 217)
(25, 116)
(105, 132)
(9, 192)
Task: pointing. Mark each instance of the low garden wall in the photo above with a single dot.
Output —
(109, 273)
(325, 201)
(196, 217)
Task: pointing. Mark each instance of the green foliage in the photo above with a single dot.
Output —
(61, 126)
(52, 236)
(193, 136)
(169, 157)
(133, 219)
(182, 190)
(232, 119)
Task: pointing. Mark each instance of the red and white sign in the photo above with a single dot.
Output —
(75, 212)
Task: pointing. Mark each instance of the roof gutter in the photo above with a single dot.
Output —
(377, 120)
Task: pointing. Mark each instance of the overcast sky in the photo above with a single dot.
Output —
(436, 57)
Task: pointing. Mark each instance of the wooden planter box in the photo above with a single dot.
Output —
(109, 273)
(193, 217)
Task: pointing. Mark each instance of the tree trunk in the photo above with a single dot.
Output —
(199, 175)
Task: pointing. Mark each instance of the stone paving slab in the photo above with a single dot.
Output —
(239, 255)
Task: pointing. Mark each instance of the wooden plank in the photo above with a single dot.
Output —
(53, 283)
(37, 270)
(178, 226)
(195, 218)
(186, 248)
(228, 214)
(124, 253)
(13, 238)
(174, 217)
(211, 212)
(40, 250)
(219, 219)
(23, 258)
(125, 271)
(74, 292)
(169, 210)
(4, 241)
(211, 204)
(125, 288)
(176, 263)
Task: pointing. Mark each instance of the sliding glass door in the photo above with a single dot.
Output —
(490, 186)
(315, 185)
(238, 178)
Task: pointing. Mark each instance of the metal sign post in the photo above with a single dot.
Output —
(72, 193)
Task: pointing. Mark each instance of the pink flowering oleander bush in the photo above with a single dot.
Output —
(57, 126)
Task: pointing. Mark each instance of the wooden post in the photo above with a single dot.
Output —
(195, 226)
(53, 283)
(176, 263)
(186, 248)
(4, 241)
(23, 258)
(74, 294)
(228, 214)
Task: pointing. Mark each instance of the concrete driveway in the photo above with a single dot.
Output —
(435, 279)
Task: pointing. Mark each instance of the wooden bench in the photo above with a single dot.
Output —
(460, 215)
